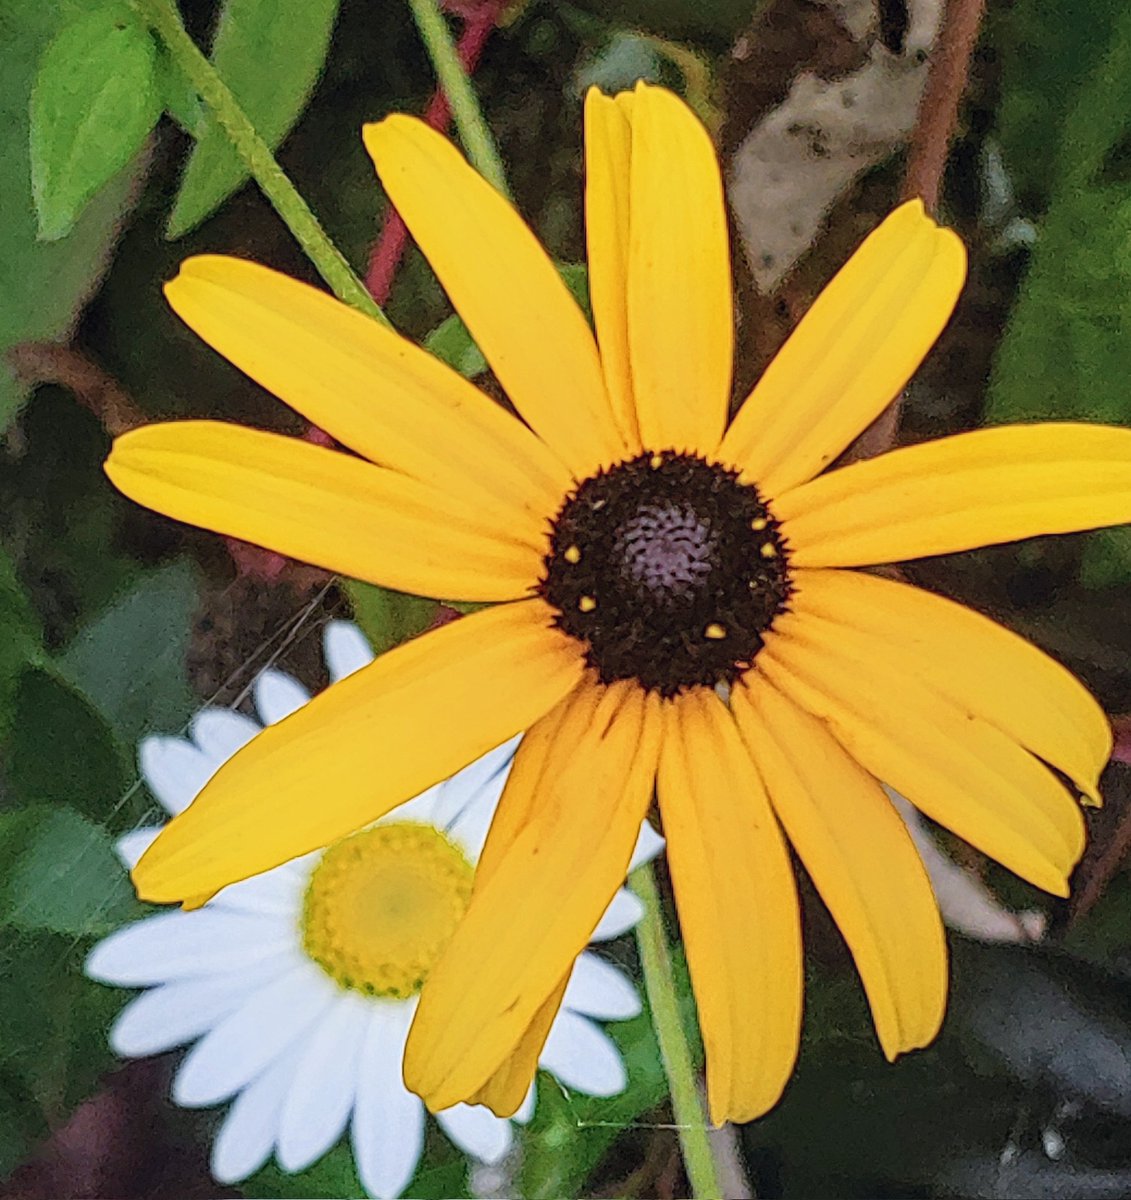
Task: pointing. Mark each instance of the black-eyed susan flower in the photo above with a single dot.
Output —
(295, 990)
(644, 557)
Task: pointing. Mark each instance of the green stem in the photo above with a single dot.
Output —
(470, 124)
(163, 18)
(659, 984)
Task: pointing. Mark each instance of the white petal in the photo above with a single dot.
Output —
(964, 901)
(319, 1104)
(174, 770)
(248, 1040)
(470, 828)
(248, 1133)
(276, 893)
(481, 781)
(277, 695)
(388, 1120)
(131, 846)
(180, 945)
(176, 1013)
(477, 1131)
(463, 805)
(420, 808)
(648, 845)
(583, 1057)
(221, 732)
(346, 649)
(598, 989)
(526, 1108)
(623, 912)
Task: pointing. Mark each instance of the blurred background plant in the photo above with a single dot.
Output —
(114, 622)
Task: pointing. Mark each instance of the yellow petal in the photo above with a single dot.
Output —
(608, 152)
(505, 287)
(529, 778)
(981, 666)
(737, 903)
(371, 389)
(413, 717)
(950, 763)
(956, 493)
(536, 910)
(534, 764)
(505, 1091)
(851, 354)
(680, 318)
(861, 858)
(324, 507)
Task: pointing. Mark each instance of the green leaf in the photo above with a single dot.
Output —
(21, 638)
(59, 750)
(181, 101)
(53, 1036)
(61, 874)
(94, 102)
(388, 618)
(1066, 353)
(451, 342)
(442, 1175)
(15, 1131)
(270, 53)
(1106, 560)
(43, 286)
(576, 277)
(1046, 61)
(130, 660)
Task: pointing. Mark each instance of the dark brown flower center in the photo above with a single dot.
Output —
(669, 570)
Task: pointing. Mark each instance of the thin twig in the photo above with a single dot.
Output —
(1105, 870)
(51, 362)
(938, 109)
(1110, 841)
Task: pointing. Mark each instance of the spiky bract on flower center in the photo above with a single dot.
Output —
(668, 569)
(382, 905)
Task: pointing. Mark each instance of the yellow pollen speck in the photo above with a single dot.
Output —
(587, 603)
(758, 524)
(382, 905)
(656, 461)
(769, 550)
(572, 554)
(715, 631)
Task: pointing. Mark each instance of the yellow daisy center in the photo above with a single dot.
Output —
(382, 905)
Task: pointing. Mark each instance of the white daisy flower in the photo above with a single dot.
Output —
(298, 986)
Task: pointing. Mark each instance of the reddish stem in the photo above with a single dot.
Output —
(479, 20)
(1121, 728)
(938, 109)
